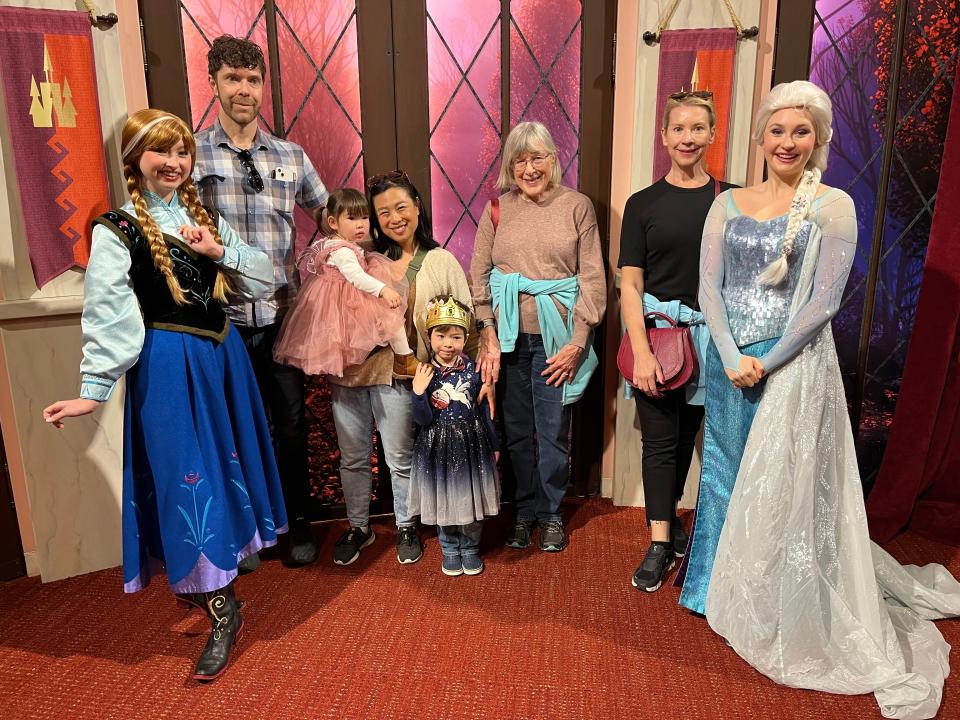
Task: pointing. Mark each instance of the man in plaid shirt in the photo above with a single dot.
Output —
(254, 180)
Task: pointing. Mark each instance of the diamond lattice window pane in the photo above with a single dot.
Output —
(202, 22)
(463, 46)
(545, 61)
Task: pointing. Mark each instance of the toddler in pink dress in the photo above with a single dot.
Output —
(349, 303)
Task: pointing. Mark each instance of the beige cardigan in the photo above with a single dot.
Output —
(440, 274)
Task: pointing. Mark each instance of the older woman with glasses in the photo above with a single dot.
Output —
(538, 285)
(401, 230)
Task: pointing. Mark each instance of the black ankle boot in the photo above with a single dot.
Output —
(196, 601)
(225, 626)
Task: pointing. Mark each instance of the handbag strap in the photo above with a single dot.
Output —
(416, 262)
(661, 316)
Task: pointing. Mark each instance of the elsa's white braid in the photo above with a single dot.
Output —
(776, 272)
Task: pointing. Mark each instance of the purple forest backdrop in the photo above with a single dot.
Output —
(851, 58)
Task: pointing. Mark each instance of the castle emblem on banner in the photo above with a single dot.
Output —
(48, 99)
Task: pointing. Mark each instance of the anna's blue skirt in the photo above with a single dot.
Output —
(200, 484)
(729, 415)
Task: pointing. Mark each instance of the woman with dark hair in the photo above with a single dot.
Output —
(401, 230)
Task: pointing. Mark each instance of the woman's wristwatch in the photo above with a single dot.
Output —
(481, 324)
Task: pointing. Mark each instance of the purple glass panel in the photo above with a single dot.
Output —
(203, 21)
(463, 45)
(321, 92)
(545, 59)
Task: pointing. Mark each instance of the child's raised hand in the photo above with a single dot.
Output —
(391, 296)
(55, 413)
(202, 241)
(422, 377)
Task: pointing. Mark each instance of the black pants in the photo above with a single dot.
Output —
(282, 390)
(669, 427)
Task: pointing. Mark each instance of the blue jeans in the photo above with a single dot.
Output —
(354, 408)
(460, 540)
(537, 426)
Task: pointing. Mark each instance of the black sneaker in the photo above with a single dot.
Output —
(409, 545)
(520, 537)
(659, 560)
(552, 537)
(348, 547)
(678, 537)
(302, 548)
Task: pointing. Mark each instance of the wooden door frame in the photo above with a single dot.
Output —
(165, 66)
(596, 160)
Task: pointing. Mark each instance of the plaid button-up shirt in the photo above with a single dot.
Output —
(263, 219)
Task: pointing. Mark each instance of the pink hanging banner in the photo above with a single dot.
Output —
(50, 89)
(700, 60)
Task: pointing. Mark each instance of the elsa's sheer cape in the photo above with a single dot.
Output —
(798, 589)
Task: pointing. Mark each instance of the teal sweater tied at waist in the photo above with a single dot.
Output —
(505, 291)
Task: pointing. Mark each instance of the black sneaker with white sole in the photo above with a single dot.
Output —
(348, 547)
(409, 545)
(658, 562)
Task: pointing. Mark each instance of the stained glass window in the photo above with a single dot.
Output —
(545, 58)
(319, 74)
(464, 58)
(202, 22)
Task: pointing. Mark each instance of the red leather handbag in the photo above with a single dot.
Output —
(672, 347)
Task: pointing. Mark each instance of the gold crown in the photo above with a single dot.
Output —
(448, 313)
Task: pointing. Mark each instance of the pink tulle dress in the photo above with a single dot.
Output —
(333, 323)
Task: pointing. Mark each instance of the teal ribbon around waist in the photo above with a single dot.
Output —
(505, 289)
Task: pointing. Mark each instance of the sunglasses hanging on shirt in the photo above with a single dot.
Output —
(250, 174)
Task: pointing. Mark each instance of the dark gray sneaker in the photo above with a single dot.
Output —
(348, 547)
(678, 537)
(302, 548)
(659, 560)
(552, 537)
(520, 537)
(409, 545)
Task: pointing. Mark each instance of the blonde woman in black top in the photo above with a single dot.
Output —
(659, 259)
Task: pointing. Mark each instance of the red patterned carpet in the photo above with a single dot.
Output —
(535, 636)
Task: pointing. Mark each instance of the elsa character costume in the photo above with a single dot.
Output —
(789, 576)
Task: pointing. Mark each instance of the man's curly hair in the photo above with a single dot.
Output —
(236, 53)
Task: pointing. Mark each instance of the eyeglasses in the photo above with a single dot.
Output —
(250, 174)
(539, 162)
(683, 95)
(394, 176)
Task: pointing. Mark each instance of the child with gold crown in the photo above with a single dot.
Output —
(454, 482)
